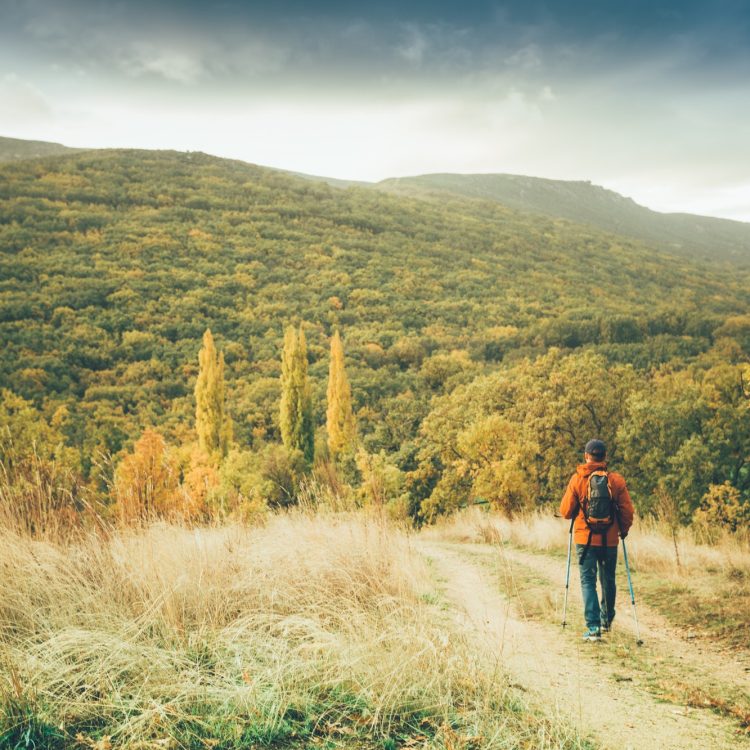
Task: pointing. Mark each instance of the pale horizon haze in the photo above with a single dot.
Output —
(651, 100)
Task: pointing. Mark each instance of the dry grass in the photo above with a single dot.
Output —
(310, 628)
(42, 498)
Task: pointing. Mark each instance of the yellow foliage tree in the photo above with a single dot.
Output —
(340, 422)
(212, 424)
(199, 483)
(146, 480)
(722, 507)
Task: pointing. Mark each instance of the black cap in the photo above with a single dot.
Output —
(596, 448)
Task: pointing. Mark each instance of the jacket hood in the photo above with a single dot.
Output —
(584, 470)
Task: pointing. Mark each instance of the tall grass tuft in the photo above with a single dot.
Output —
(41, 498)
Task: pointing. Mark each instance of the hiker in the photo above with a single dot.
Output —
(603, 511)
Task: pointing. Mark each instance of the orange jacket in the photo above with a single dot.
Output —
(578, 489)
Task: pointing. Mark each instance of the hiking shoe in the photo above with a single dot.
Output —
(606, 627)
(592, 634)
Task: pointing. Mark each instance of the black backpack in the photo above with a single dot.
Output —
(599, 508)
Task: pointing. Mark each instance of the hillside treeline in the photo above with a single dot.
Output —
(482, 346)
(681, 437)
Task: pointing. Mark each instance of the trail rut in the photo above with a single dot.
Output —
(563, 675)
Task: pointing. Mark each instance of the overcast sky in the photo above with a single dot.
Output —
(651, 99)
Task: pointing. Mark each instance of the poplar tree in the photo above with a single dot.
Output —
(339, 415)
(211, 421)
(296, 418)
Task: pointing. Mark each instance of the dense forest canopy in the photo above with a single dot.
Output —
(114, 263)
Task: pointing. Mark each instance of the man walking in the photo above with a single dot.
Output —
(601, 505)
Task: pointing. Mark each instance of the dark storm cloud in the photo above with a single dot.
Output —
(190, 42)
(650, 98)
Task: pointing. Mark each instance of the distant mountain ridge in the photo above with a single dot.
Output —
(17, 149)
(332, 181)
(584, 203)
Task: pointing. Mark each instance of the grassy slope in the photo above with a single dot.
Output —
(583, 202)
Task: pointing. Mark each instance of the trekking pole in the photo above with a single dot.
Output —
(567, 572)
(638, 640)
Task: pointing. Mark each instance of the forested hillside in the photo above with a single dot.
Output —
(684, 234)
(114, 263)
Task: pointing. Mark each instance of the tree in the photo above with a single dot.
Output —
(339, 415)
(24, 432)
(722, 508)
(295, 418)
(146, 480)
(686, 431)
(41, 487)
(513, 436)
(211, 422)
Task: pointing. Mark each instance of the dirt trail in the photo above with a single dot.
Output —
(723, 663)
(564, 675)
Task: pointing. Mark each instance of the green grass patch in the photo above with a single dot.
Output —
(714, 606)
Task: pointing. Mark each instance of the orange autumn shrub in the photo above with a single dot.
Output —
(146, 481)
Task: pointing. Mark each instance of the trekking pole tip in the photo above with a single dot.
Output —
(639, 642)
